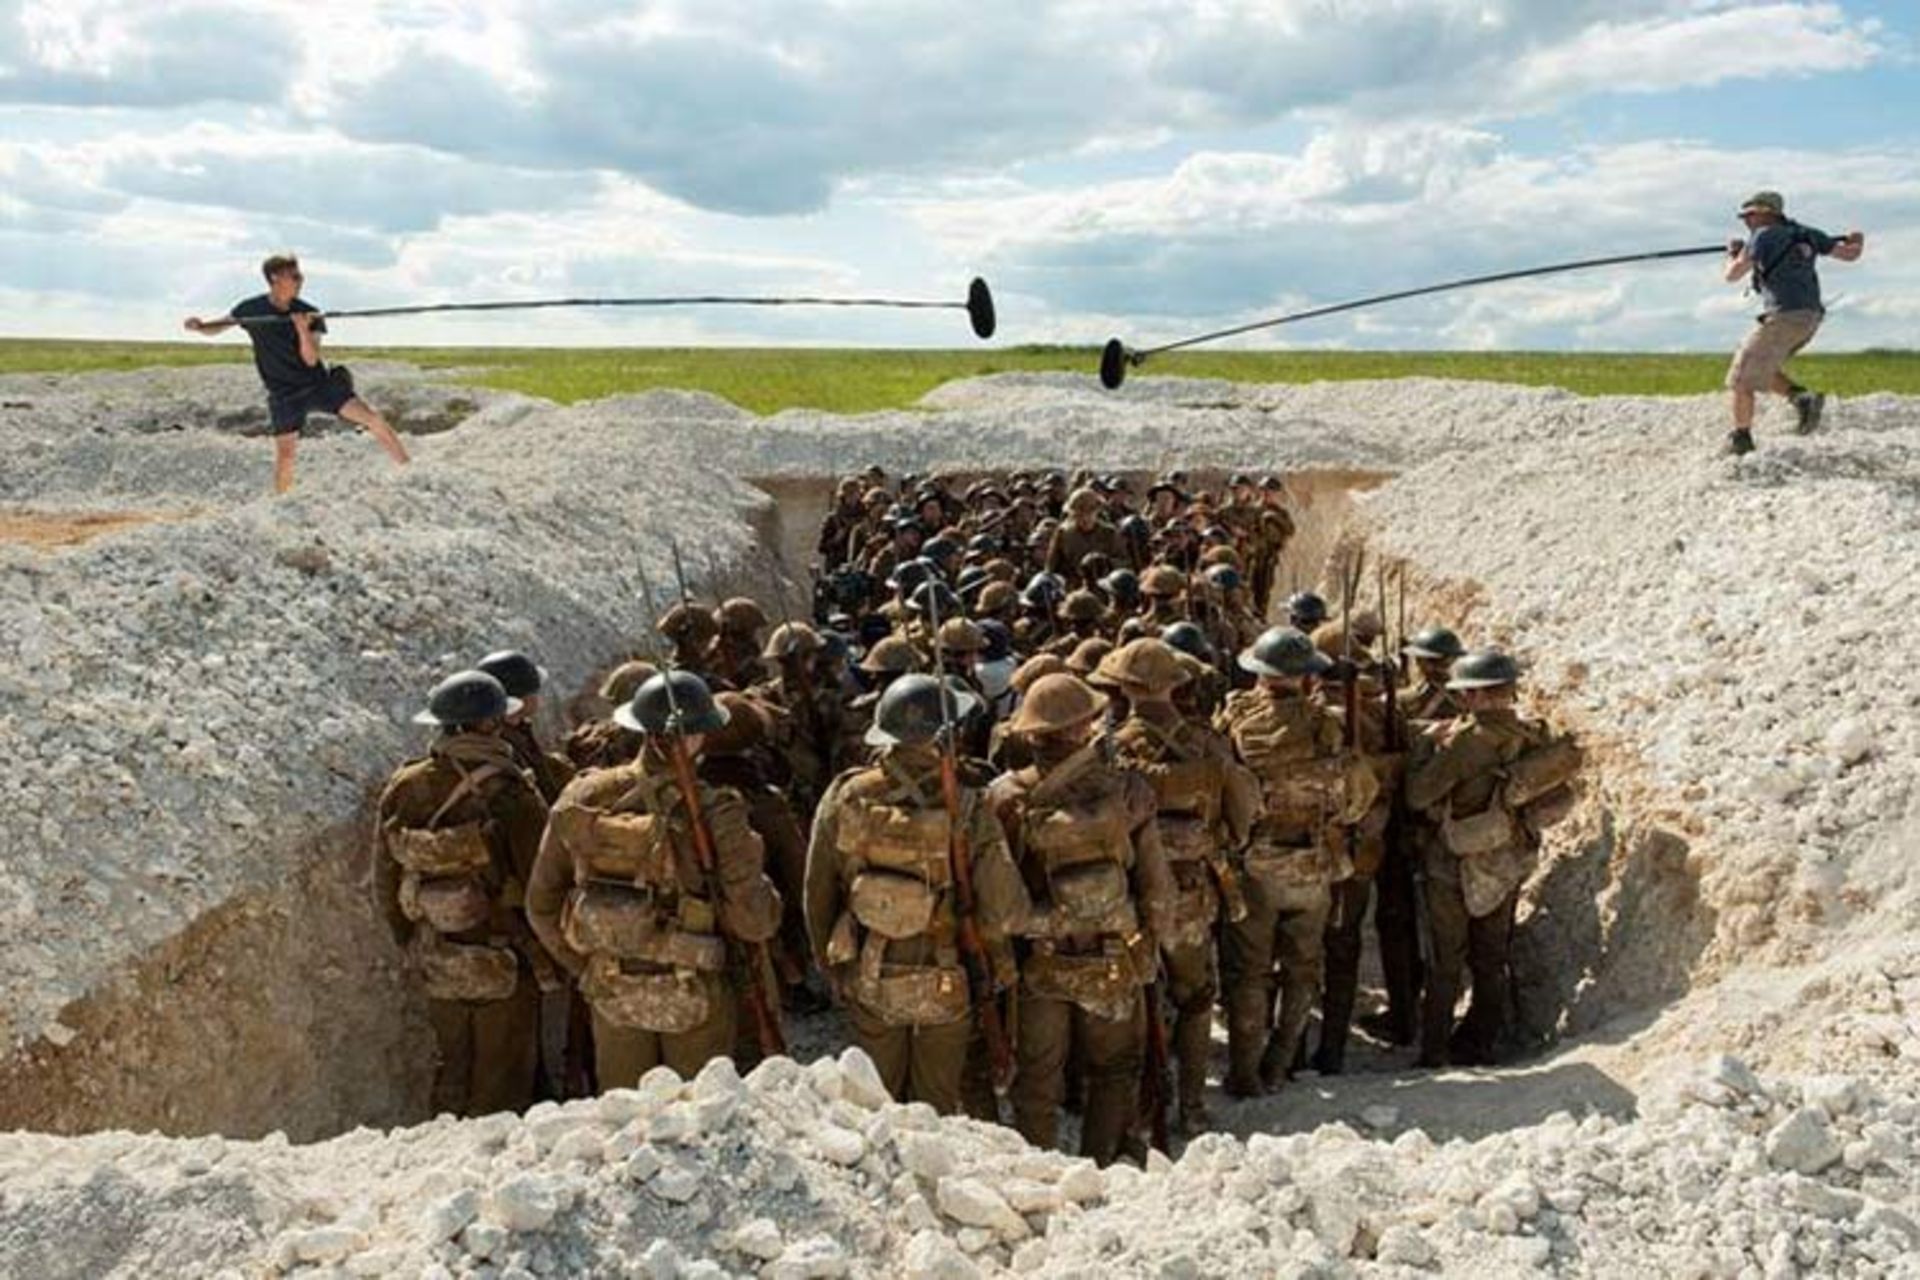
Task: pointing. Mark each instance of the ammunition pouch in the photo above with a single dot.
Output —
(445, 904)
(1304, 792)
(1186, 838)
(624, 923)
(897, 837)
(1280, 868)
(1189, 787)
(460, 971)
(893, 905)
(1549, 809)
(1088, 893)
(1480, 834)
(916, 996)
(633, 847)
(442, 851)
(664, 1001)
(1106, 983)
(1196, 905)
(1541, 770)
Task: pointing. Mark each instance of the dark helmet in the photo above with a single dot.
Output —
(515, 671)
(1136, 528)
(1285, 651)
(1435, 642)
(1483, 669)
(661, 708)
(934, 598)
(1188, 639)
(1224, 577)
(1094, 566)
(834, 648)
(873, 629)
(1043, 591)
(910, 711)
(999, 641)
(970, 577)
(938, 549)
(1082, 606)
(909, 574)
(1123, 585)
(984, 544)
(1239, 480)
(1216, 533)
(467, 697)
(1306, 610)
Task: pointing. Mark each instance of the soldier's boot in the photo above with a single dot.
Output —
(1247, 1038)
(1297, 996)
(1739, 441)
(1807, 407)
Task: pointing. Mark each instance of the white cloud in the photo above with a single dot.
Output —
(94, 53)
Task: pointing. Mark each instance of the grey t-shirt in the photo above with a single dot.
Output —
(1783, 273)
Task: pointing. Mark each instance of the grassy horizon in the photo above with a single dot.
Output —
(858, 380)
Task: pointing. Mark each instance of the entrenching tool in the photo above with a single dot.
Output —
(1116, 357)
(978, 306)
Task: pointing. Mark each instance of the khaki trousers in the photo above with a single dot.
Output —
(489, 1052)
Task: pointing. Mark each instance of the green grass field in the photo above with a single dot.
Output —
(765, 380)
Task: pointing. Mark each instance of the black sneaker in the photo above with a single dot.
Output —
(1807, 406)
(1738, 442)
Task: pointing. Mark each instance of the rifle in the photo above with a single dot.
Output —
(1157, 1074)
(1350, 582)
(766, 1022)
(973, 951)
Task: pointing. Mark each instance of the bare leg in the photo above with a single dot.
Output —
(1781, 385)
(361, 414)
(1742, 409)
(284, 447)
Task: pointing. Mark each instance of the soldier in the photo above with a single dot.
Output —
(456, 835)
(1434, 651)
(887, 661)
(1082, 613)
(603, 743)
(1492, 782)
(1083, 835)
(1310, 788)
(738, 624)
(1276, 530)
(1206, 802)
(807, 729)
(1083, 534)
(1305, 611)
(523, 681)
(881, 898)
(1164, 589)
(619, 894)
(691, 631)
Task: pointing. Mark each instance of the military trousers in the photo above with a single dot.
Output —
(489, 1052)
(1286, 924)
(1478, 946)
(1192, 983)
(1342, 945)
(918, 1064)
(623, 1054)
(1115, 1050)
(1396, 922)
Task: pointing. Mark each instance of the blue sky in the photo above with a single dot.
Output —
(1142, 167)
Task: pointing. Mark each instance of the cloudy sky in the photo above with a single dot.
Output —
(1142, 167)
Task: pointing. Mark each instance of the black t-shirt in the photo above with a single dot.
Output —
(276, 347)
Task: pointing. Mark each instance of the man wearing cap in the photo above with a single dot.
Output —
(882, 907)
(1491, 782)
(1776, 260)
(456, 834)
(840, 522)
(1083, 534)
(1205, 805)
(618, 894)
(603, 742)
(1085, 839)
(738, 625)
(1276, 531)
(1311, 788)
(805, 726)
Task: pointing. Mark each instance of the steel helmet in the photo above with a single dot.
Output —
(467, 697)
(1483, 669)
(1435, 642)
(1056, 702)
(515, 671)
(1305, 610)
(671, 704)
(1285, 651)
(911, 713)
(1188, 638)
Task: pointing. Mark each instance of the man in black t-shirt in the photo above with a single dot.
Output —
(285, 331)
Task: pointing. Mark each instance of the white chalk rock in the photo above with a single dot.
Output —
(1028, 1196)
(1850, 741)
(449, 1216)
(843, 1147)
(484, 1240)
(1084, 1183)
(624, 1106)
(326, 1244)
(1405, 1246)
(677, 1123)
(1803, 1142)
(1729, 1071)
(1835, 1095)
(662, 1261)
(931, 1256)
(774, 1075)
(860, 1079)
(526, 1202)
(926, 1155)
(815, 1258)
(676, 1184)
(643, 1164)
(759, 1238)
(828, 1081)
(973, 1203)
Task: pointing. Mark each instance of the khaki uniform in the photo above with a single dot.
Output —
(456, 838)
(1398, 915)
(550, 772)
(1275, 531)
(882, 916)
(1310, 788)
(1367, 841)
(771, 818)
(1070, 545)
(1460, 776)
(1084, 836)
(618, 896)
(806, 732)
(1206, 802)
(601, 744)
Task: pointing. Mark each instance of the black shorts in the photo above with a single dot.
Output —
(289, 412)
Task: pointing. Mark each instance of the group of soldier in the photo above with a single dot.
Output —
(1033, 793)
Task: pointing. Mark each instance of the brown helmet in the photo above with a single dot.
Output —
(745, 729)
(621, 682)
(791, 640)
(1057, 703)
(1220, 554)
(1082, 606)
(1041, 664)
(959, 635)
(891, 655)
(1002, 569)
(995, 598)
(1331, 640)
(687, 623)
(740, 618)
(1088, 655)
(1162, 580)
(1150, 664)
(876, 498)
(1085, 501)
(1196, 669)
